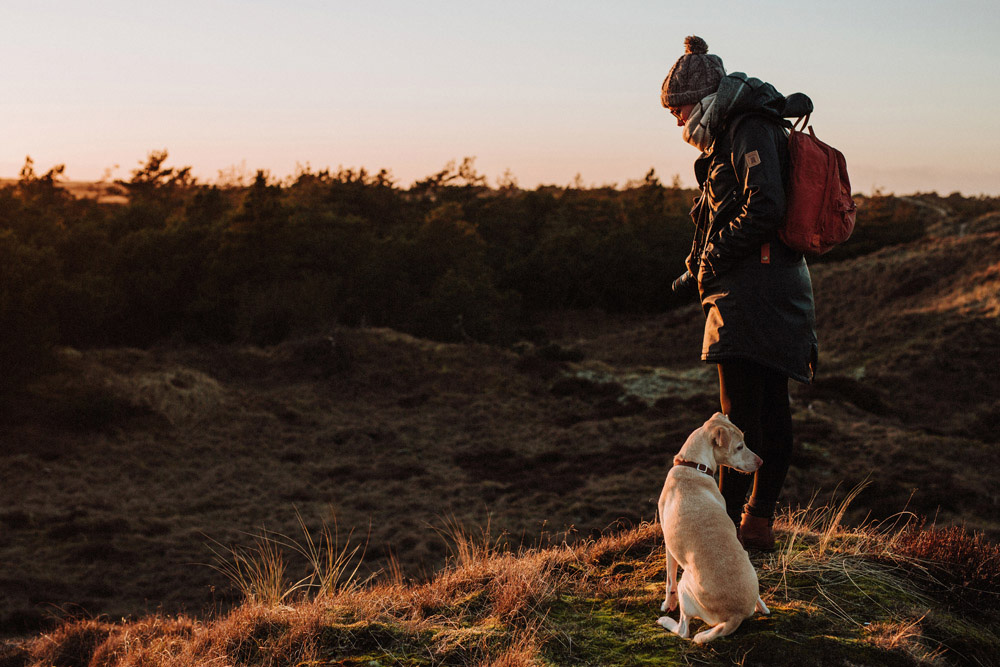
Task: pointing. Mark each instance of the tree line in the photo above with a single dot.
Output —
(448, 258)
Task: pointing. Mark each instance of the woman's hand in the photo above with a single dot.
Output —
(685, 285)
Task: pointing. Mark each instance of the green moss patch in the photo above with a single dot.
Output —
(590, 631)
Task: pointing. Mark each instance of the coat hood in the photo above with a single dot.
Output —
(739, 94)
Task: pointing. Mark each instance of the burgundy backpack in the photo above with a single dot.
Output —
(820, 211)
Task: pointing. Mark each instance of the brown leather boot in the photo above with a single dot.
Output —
(756, 533)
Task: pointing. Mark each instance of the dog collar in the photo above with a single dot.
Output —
(700, 467)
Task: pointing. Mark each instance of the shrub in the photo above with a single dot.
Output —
(965, 563)
(883, 220)
(27, 321)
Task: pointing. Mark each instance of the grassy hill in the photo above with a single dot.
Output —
(885, 595)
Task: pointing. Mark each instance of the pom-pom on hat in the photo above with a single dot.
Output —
(695, 74)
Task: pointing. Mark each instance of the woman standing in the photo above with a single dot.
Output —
(756, 292)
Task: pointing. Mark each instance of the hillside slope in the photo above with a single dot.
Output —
(123, 468)
(859, 597)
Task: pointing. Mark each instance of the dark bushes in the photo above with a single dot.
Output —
(883, 220)
(27, 319)
(450, 258)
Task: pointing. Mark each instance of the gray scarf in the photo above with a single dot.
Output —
(736, 92)
(697, 130)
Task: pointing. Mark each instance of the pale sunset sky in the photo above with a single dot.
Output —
(909, 91)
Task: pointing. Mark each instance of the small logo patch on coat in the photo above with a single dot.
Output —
(752, 159)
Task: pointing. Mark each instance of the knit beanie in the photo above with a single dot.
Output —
(695, 74)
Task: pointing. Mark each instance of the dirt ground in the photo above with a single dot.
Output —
(125, 468)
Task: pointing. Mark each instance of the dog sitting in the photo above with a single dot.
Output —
(719, 584)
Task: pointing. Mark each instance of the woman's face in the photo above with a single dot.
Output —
(682, 113)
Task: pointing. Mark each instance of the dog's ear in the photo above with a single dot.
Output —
(721, 436)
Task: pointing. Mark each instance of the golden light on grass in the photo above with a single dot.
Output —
(492, 605)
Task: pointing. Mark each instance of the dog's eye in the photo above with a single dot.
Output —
(739, 448)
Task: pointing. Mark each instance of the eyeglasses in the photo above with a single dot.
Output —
(676, 112)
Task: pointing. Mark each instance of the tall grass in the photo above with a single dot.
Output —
(259, 572)
(329, 563)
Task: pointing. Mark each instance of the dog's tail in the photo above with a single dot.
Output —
(721, 630)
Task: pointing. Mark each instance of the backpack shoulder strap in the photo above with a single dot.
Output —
(805, 123)
(738, 120)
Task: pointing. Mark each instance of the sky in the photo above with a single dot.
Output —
(546, 91)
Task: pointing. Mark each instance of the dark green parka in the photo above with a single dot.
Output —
(756, 291)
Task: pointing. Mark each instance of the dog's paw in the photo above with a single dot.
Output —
(668, 623)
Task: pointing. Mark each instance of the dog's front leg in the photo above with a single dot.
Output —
(678, 627)
(670, 600)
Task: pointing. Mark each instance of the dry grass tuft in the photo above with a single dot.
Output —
(486, 580)
(612, 546)
(262, 635)
(259, 571)
(824, 522)
(149, 642)
(906, 636)
(890, 635)
(817, 542)
(523, 651)
(72, 644)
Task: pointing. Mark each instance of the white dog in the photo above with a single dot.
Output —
(719, 584)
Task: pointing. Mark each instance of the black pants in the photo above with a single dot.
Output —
(755, 399)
